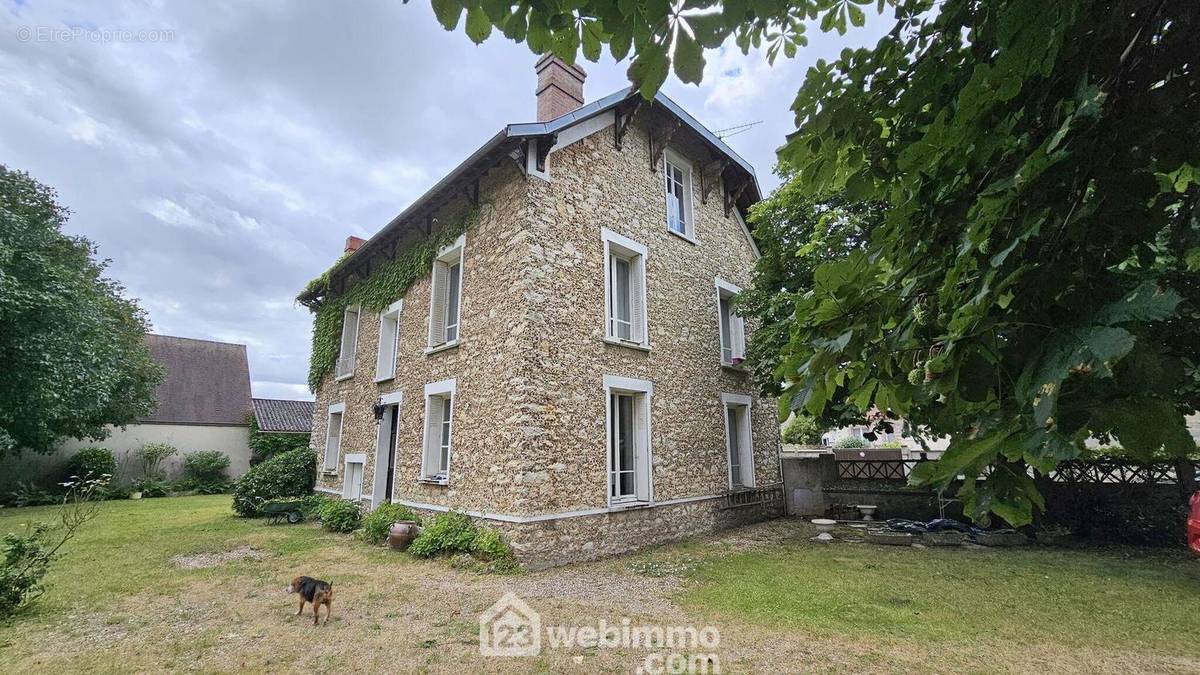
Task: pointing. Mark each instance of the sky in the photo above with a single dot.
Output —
(219, 153)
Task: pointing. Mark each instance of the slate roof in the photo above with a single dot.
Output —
(507, 142)
(207, 382)
(282, 416)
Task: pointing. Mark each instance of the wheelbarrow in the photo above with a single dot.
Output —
(277, 512)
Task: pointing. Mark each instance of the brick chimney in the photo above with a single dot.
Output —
(559, 87)
(353, 242)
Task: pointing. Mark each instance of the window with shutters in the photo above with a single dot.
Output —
(445, 298)
(349, 345)
(677, 176)
(389, 340)
(731, 327)
(739, 444)
(439, 431)
(628, 437)
(333, 436)
(624, 290)
(353, 477)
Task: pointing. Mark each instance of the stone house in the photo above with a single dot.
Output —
(568, 371)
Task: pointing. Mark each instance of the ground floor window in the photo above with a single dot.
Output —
(352, 485)
(738, 440)
(628, 435)
(439, 431)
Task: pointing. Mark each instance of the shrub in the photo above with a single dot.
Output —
(27, 493)
(152, 455)
(290, 474)
(264, 445)
(448, 533)
(490, 547)
(376, 523)
(151, 486)
(311, 504)
(340, 515)
(802, 430)
(851, 443)
(206, 466)
(92, 463)
(26, 558)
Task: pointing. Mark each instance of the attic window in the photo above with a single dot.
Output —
(677, 175)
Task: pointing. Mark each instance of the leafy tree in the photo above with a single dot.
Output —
(1034, 281)
(802, 429)
(795, 232)
(71, 345)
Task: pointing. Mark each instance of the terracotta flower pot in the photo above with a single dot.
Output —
(401, 534)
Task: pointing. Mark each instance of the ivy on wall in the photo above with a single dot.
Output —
(386, 283)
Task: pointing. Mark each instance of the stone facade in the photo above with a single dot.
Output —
(529, 442)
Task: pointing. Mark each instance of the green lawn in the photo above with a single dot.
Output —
(119, 603)
(1132, 600)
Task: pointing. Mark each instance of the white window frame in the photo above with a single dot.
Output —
(344, 367)
(450, 255)
(349, 486)
(387, 352)
(338, 409)
(674, 159)
(737, 326)
(624, 247)
(431, 445)
(383, 447)
(745, 439)
(643, 448)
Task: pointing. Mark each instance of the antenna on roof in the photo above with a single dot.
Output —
(735, 130)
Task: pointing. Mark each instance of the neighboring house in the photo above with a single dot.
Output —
(203, 404)
(568, 371)
(282, 416)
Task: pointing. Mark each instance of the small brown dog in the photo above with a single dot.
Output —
(315, 591)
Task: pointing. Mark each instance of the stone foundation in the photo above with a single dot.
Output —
(549, 543)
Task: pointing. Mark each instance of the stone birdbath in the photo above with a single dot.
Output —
(824, 528)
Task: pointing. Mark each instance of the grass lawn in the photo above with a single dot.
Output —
(120, 602)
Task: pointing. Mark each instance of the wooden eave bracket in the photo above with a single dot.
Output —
(624, 115)
(659, 141)
(710, 181)
(545, 143)
(731, 196)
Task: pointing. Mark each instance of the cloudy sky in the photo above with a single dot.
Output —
(220, 152)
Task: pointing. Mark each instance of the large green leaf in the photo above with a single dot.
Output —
(689, 58)
(1086, 352)
(1146, 303)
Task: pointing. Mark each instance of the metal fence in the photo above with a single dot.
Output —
(1090, 471)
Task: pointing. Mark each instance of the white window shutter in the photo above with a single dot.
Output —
(637, 293)
(737, 326)
(641, 445)
(437, 303)
(433, 436)
(385, 364)
(349, 333)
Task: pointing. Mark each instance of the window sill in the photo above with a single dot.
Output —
(339, 378)
(631, 345)
(386, 378)
(431, 481)
(735, 367)
(329, 473)
(690, 240)
(623, 506)
(441, 347)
